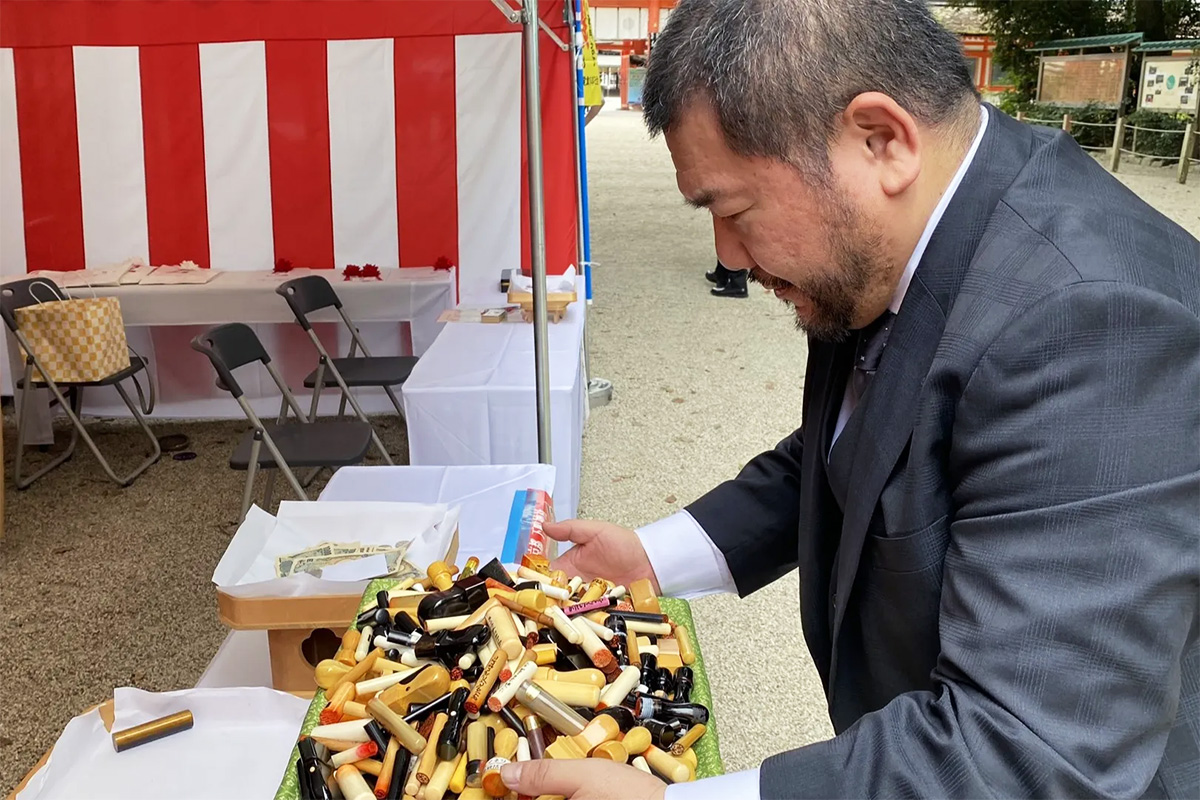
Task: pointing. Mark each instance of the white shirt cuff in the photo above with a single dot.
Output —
(734, 786)
(685, 561)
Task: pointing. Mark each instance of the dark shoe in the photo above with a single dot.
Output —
(718, 275)
(734, 286)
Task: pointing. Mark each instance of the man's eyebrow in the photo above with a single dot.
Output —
(703, 199)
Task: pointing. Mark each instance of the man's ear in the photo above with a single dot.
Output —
(884, 138)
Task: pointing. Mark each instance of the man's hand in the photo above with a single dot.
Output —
(581, 779)
(602, 550)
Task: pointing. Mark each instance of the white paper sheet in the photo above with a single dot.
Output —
(554, 283)
(238, 747)
(247, 569)
(360, 569)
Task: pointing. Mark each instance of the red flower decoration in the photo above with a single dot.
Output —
(351, 271)
(283, 265)
(443, 263)
(371, 271)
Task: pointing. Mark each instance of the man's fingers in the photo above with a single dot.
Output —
(577, 531)
(547, 776)
(568, 563)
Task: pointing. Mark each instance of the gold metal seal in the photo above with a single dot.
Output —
(149, 731)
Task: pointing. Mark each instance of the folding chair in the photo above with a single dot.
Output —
(69, 396)
(305, 443)
(313, 293)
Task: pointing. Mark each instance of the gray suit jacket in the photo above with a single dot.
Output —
(1008, 605)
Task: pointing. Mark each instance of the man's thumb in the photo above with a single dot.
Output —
(541, 776)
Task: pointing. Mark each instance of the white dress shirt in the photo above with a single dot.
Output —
(689, 565)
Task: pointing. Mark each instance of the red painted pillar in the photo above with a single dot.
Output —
(625, 81)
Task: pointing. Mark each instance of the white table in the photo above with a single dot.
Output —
(471, 400)
(396, 315)
(484, 495)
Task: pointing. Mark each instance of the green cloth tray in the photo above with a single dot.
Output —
(708, 751)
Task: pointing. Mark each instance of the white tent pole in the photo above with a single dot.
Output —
(537, 225)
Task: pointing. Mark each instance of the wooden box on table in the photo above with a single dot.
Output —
(301, 631)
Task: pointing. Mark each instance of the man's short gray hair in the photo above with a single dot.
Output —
(778, 72)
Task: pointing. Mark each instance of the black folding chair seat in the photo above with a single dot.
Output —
(327, 444)
(136, 365)
(372, 371)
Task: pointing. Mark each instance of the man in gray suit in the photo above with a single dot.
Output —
(994, 497)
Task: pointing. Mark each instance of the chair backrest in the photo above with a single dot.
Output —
(308, 294)
(26, 292)
(229, 347)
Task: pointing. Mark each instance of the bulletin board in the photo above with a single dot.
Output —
(1170, 83)
(1082, 80)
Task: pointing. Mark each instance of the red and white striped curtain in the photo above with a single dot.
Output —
(234, 133)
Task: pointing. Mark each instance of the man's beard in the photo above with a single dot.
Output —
(857, 253)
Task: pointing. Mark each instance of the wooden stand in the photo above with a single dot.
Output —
(556, 304)
(290, 622)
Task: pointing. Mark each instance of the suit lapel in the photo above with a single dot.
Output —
(889, 410)
(891, 404)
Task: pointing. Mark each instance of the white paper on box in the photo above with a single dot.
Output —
(247, 569)
(359, 569)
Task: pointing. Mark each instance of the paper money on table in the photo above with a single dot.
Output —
(315, 558)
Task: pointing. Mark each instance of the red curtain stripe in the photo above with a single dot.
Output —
(426, 163)
(173, 140)
(298, 135)
(49, 144)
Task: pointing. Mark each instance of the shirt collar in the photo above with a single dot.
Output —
(911, 267)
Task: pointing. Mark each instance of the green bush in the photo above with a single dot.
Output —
(1160, 145)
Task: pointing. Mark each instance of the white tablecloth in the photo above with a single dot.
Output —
(471, 400)
(484, 495)
(396, 315)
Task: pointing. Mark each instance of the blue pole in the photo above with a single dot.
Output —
(583, 183)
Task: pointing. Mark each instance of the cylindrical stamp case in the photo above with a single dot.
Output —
(152, 730)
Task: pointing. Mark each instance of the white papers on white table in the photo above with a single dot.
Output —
(247, 569)
(107, 275)
(179, 276)
(136, 274)
(238, 746)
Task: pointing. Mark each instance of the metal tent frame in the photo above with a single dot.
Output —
(528, 18)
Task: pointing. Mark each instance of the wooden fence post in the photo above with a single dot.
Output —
(1067, 123)
(1114, 161)
(1185, 152)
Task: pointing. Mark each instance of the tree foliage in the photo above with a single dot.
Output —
(1018, 24)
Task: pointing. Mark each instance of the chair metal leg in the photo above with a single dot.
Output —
(269, 493)
(395, 402)
(284, 468)
(251, 471)
(21, 481)
(317, 389)
(155, 448)
(308, 479)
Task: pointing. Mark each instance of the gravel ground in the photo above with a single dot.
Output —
(102, 587)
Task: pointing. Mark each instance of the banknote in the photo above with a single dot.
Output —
(315, 558)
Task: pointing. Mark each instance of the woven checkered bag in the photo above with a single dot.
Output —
(75, 341)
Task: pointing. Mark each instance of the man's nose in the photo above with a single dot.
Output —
(730, 249)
